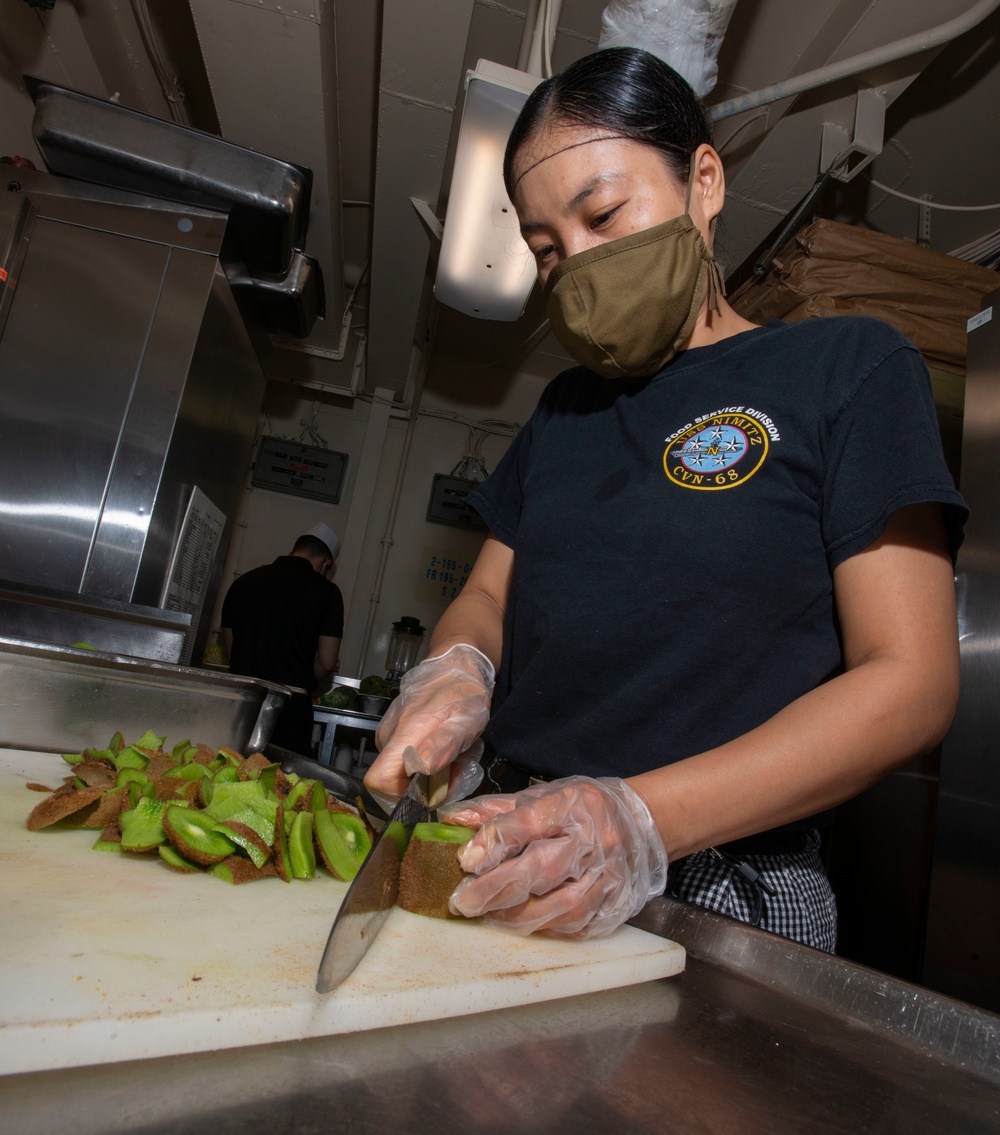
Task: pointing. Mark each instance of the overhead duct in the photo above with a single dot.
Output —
(686, 34)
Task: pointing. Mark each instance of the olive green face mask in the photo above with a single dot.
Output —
(624, 308)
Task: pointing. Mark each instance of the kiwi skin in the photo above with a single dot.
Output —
(430, 872)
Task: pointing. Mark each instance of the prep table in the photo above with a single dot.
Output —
(758, 1034)
(757, 1037)
(113, 956)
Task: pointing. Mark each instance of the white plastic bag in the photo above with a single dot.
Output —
(686, 34)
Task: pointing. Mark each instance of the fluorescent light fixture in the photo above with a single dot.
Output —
(485, 269)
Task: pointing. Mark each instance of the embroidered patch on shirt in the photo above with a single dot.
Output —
(720, 450)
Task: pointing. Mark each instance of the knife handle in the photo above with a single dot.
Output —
(434, 785)
(437, 787)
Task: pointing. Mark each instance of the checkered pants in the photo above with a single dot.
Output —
(803, 909)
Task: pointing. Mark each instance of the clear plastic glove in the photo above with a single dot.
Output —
(465, 774)
(573, 858)
(442, 708)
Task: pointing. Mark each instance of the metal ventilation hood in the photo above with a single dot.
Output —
(265, 199)
(272, 70)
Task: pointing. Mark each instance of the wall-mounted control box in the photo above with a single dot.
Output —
(447, 504)
(303, 470)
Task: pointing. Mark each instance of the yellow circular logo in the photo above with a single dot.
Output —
(719, 452)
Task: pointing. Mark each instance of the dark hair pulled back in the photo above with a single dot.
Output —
(626, 91)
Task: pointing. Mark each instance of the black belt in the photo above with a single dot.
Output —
(770, 843)
(502, 776)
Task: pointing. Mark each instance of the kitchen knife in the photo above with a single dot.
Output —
(344, 786)
(373, 892)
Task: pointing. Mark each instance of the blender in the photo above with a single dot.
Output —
(404, 645)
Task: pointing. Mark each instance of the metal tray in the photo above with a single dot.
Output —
(59, 618)
(60, 700)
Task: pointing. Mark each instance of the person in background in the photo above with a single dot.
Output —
(284, 622)
(717, 593)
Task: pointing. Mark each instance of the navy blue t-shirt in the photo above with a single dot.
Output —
(674, 538)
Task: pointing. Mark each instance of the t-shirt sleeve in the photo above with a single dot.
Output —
(332, 624)
(499, 499)
(230, 607)
(885, 453)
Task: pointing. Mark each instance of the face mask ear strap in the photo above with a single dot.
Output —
(716, 284)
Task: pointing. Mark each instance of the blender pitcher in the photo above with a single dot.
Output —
(404, 645)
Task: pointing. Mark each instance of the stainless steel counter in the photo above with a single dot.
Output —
(757, 1035)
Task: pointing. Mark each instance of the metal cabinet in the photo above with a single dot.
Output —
(129, 377)
(963, 928)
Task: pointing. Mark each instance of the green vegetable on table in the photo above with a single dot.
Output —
(436, 832)
(142, 826)
(342, 845)
(340, 697)
(200, 809)
(301, 852)
(194, 835)
(375, 686)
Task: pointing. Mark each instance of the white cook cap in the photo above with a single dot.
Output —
(325, 533)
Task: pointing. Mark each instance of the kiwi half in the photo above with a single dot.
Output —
(430, 871)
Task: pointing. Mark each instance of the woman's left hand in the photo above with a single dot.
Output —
(573, 858)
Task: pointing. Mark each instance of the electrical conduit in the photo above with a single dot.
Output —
(831, 72)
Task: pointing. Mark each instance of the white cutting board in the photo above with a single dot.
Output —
(107, 957)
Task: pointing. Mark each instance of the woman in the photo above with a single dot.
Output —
(718, 585)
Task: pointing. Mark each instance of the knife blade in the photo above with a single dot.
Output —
(373, 892)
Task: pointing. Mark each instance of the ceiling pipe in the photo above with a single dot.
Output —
(544, 18)
(528, 35)
(877, 57)
(420, 360)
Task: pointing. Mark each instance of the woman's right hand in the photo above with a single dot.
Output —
(442, 708)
